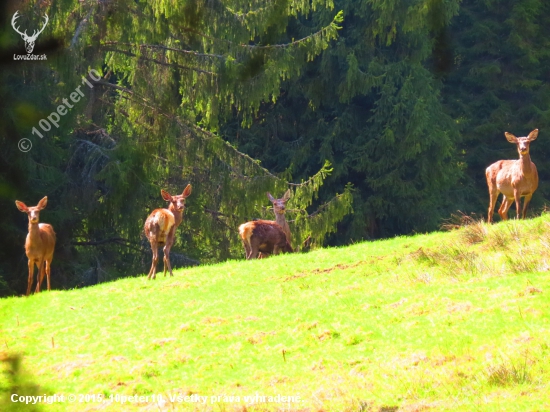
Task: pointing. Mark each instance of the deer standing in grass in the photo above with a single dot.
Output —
(265, 236)
(160, 228)
(513, 178)
(279, 207)
(39, 245)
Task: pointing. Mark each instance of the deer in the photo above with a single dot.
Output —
(513, 178)
(279, 207)
(160, 228)
(39, 245)
(29, 40)
(264, 236)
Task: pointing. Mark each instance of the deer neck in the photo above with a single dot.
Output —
(525, 162)
(280, 219)
(178, 215)
(34, 233)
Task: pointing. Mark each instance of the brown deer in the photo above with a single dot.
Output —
(39, 245)
(279, 207)
(513, 178)
(160, 228)
(263, 236)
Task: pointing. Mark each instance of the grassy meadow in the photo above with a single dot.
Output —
(448, 321)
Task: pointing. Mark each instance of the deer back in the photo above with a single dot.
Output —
(265, 233)
(159, 224)
(48, 238)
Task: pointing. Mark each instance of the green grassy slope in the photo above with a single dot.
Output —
(446, 321)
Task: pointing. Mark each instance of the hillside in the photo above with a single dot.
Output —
(448, 321)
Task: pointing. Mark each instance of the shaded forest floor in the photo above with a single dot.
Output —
(446, 322)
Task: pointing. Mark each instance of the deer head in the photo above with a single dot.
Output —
(32, 212)
(178, 201)
(279, 205)
(29, 40)
(522, 142)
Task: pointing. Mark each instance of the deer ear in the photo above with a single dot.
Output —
(510, 137)
(43, 202)
(21, 206)
(187, 191)
(271, 198)
(287, 195)
(165, 195)
(533, 135)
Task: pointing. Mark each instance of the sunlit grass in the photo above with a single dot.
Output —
(445, 321)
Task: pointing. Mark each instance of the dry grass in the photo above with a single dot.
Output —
(510, 372)
(480, 249)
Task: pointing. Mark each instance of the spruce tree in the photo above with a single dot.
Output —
(160, 77)
(499, 83)
(372, 106)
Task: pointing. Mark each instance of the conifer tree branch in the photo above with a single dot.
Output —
(333, 26)
(325, 170)
(159, 46)
(190, 129)
(127, 53)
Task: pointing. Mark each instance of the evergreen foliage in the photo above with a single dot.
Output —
(372, 107)
(169, 73)
(389, 109)
(499, 82)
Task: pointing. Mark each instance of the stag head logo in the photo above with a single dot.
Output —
(29, 40)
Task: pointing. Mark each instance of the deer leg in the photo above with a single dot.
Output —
(31, 276)
(48, 268)
(254, 249)
(41, 272)
(525, 204)
(246, 249)
(253, 254)
(493, 196)
(276, 250)
(167, 247)
(517, 197)
(504, 207)
(152, 272)
(166, 259)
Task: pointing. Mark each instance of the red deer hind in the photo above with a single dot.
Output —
(263, 236)
(279, 207)
(39, 245)
(513, 178)
(160, 228)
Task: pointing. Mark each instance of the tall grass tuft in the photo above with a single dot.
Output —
(472, 227)
(522, 261)
(452, 260)
(475, 232)
(459, 220)
(497, 239)
(509, 372)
